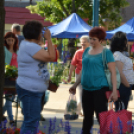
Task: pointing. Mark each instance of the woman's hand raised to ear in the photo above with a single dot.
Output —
(43, 55)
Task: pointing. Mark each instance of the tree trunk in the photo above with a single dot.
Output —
(30, 1)
(71, 47)
(2, 59)
(73, 6)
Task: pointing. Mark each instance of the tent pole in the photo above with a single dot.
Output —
(62, 50)
(96, 13)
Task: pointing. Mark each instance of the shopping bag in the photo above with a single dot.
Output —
(47, 93)
(112, 122)
(44, 99)
(71, 111)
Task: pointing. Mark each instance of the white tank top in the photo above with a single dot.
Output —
(128, 66)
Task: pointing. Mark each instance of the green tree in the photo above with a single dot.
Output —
(2, 61)
(56, 10)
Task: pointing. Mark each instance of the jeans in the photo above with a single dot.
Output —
(31, 102)
(124, 96)
(8, 106)
(92, 101)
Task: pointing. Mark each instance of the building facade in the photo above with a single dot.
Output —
(17, 13)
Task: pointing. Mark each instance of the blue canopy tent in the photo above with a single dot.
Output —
(71, 27)
(127, 28)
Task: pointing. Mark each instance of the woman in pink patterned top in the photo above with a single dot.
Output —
(76, 65)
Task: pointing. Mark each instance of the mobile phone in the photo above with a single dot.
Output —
(43, 30)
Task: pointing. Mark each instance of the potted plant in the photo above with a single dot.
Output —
(11, 73)
(55, 79)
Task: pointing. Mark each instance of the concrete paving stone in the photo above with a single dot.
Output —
(53, 110)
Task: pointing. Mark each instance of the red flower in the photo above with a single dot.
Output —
(16, 131)
(77, 36)
(40, 132)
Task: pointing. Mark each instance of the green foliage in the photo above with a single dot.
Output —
(108, 42)
(56, 41)
(72, 106)
(65, 42)
(110, 10)
(57, 75)
(11, 71)
(57, 10)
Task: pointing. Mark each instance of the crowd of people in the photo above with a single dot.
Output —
(26, 53)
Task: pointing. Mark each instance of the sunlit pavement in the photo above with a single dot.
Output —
(55, 107)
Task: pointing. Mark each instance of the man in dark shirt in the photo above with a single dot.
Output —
(16, 29)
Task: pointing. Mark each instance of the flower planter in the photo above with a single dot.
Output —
(9, 85)
(10, 82)
(52, 86)
(70, 117)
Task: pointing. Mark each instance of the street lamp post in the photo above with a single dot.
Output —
(30, 1)
(95, 13)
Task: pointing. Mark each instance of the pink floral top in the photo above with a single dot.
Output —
(14, 60)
